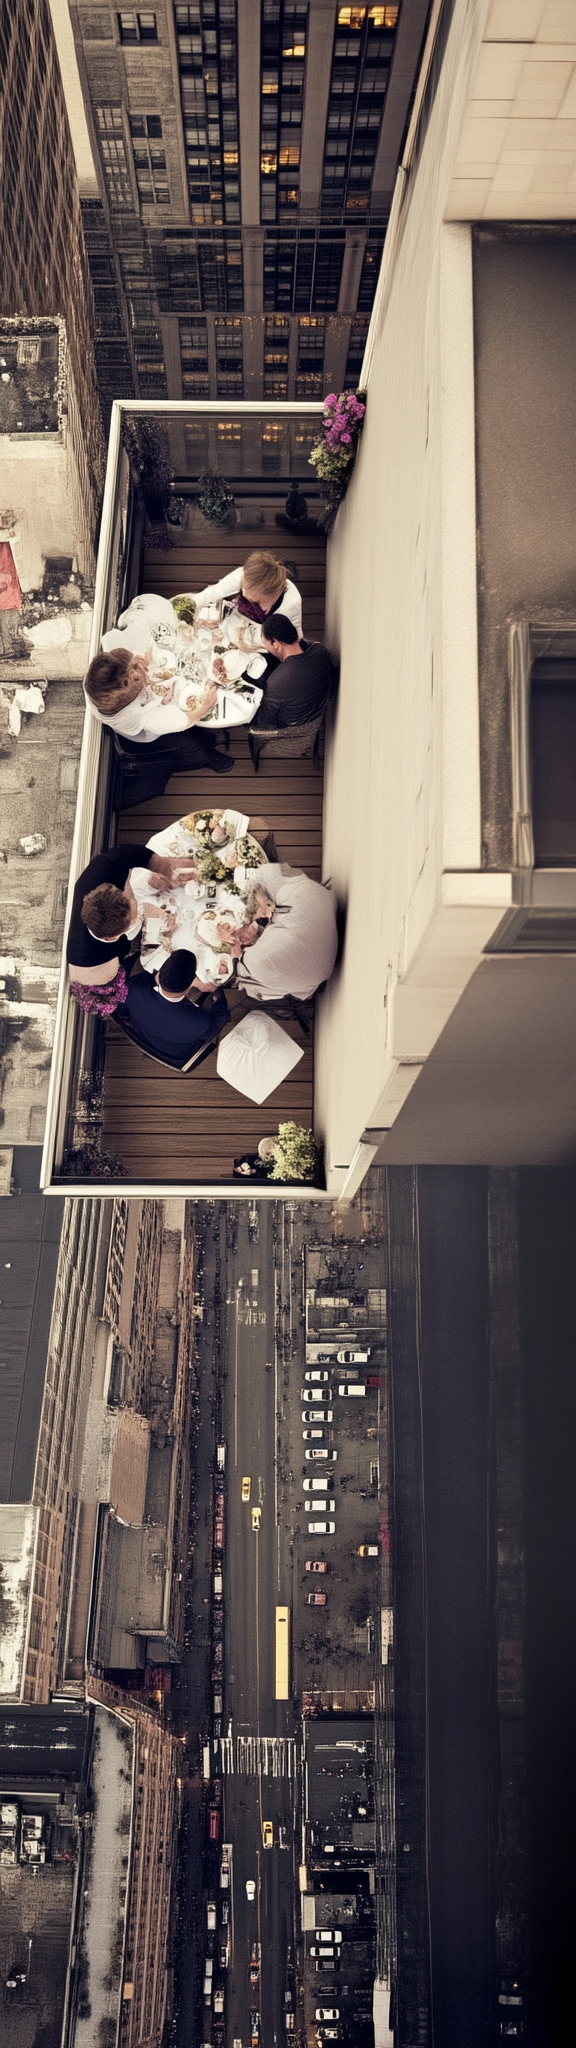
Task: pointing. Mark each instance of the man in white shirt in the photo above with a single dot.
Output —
(125, 689)
(292, 939)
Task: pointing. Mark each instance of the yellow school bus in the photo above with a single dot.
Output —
(282, 1653)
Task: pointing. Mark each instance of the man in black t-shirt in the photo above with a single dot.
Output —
(104, 909)
(301, 683)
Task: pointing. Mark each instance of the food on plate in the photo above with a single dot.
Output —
(185, 609)
(248, 852)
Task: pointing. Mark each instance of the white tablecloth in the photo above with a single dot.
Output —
(184, 655)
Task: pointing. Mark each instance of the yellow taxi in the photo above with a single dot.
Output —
(268, 1834)
(246, 1485)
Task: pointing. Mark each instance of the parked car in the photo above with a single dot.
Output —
(319, 1451)
(321, 1528)
(325, 1357)
(327, 2012)
(219, 2000)
(250, 1890)
(225, 1912)
(330, 1935)
(313, 1436)
(246, 1488)
(221, 1457)
(214, 1824)
(373, 1379)
(367, 1550)
(316, 1564)
(317, 1415)
(225, 1871)
(211, 1916)
(268, 1834)
(316, 1599)
(256, 1518)
(223, 1952)
(316, 1375)
(328, 2034)
(353, 1387)
(325, 1953)
(353, 1357)
(319, 1484)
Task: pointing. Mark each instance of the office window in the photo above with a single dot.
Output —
(283, 59)
(361, 58)
(182, 276)
(276, 346)
(149, 159)
(310, 365)
(356, 347)
(327, 274)
(207, 44)
(228, 336)
(138, 28)
(110, 126)
(194, 358)
(369, 276)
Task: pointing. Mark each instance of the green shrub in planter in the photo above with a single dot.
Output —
(214, 498)
(295, 1153)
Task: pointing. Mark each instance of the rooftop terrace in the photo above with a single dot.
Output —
(170, 1129)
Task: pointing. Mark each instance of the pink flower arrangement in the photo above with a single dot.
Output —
(334, 455)
(343, 417)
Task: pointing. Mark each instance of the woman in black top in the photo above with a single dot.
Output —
(105, 915)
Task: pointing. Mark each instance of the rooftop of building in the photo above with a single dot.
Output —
(29, 1245)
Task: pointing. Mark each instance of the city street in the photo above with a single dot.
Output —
(241, 1962)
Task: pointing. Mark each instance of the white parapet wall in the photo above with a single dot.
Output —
(403, 773)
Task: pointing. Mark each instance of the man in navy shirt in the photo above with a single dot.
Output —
(161, 1013)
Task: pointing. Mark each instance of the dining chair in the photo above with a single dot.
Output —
(295, 742)
(175, 1065)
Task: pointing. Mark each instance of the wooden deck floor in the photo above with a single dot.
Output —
(190, 1127)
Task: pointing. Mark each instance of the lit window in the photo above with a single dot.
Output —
(354, 17)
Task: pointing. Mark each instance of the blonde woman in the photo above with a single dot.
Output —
(261, 587)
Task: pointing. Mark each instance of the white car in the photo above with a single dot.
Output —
(327, 2012)
(332, 1455)
(250, 1890)
(323, 1376)
(313, 1436)
(353, 1357)
(317, 1414)
(320, 1484)
(351, 1389)
(321, 1528)
(329, 1935)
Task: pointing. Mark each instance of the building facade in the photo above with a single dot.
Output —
(245, 153)
(44, 269)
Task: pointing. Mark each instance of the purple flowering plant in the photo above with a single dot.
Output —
(334, 455)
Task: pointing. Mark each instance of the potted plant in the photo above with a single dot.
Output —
(294, 1154)
(214, 498)
(87, 1162)
(148, 450)
(334, 455)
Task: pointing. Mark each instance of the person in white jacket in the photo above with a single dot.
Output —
(254, 591)
(290, 945)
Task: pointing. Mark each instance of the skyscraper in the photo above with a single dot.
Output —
(246, 154)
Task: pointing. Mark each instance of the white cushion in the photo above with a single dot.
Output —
(256, 1056)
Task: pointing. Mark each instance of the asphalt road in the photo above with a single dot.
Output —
(255, 1581)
